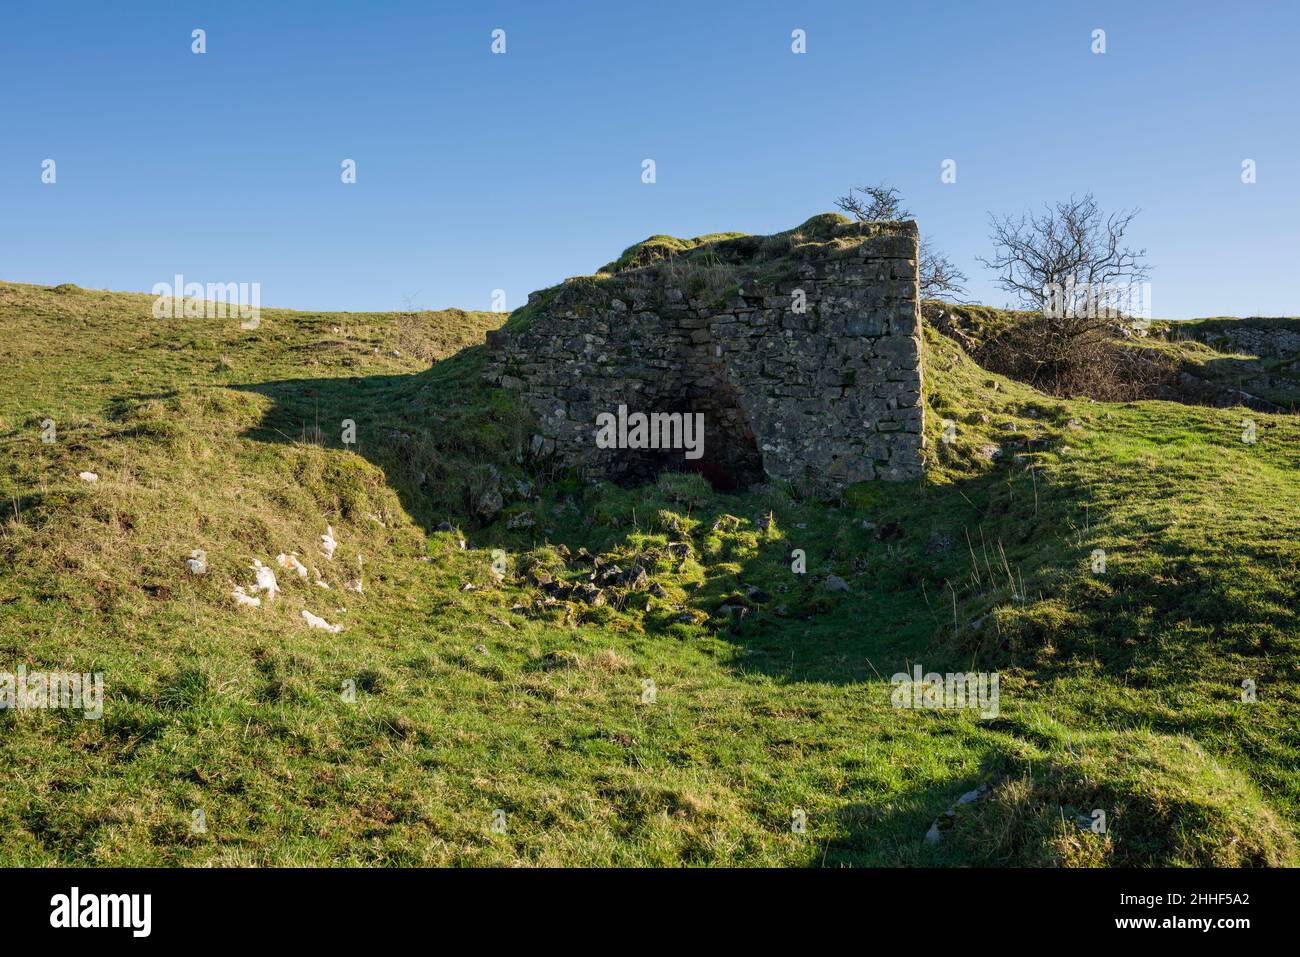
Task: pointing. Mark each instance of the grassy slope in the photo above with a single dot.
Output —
(1276, 380)
(1119, 691)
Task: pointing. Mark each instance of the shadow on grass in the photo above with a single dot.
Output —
(428, 431)
(1265, 385)
(927, 564)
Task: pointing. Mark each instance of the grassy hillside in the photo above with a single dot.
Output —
(1199, 361)
(477, 691)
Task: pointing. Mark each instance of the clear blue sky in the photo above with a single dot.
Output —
(479, 171)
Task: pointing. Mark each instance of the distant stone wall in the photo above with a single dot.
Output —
(802, 351)
(1268, 339)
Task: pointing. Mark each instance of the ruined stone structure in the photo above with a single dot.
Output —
(802, 350)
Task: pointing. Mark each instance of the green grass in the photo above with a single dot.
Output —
(1119, 692)
(660, 247)
(824, 233)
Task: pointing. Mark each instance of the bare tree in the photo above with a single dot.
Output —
(869, 204)
(939, 278)
(1070, 265)
(1070, 246)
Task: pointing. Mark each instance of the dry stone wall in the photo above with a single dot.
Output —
(802, 351)
(1265, 338)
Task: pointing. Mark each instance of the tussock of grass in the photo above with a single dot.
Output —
(1129, 798)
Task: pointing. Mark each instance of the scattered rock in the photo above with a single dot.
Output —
(680, 550)
(690, 616)
(672, 523)
(265, 580)
(835, 583)
(588, 594)
(483, 492)
(489, 504)
(291, 563)
(557, 589)
(734, 610)
(540, 447)
(606, 574)
(561, 659)
(735, 615)
(945, 821)
(636, 578)
(726, 523)
(88, 477)
(521, 520)
(315, 621)
(243, 598)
